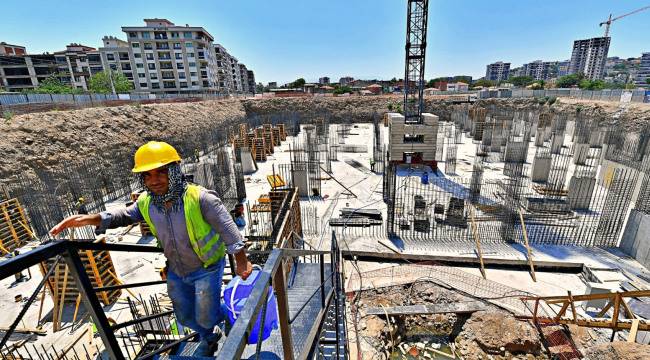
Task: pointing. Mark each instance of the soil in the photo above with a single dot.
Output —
(498, 335)
(618, 350)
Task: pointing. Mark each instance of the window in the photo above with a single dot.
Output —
(149, 56)
(128, 75)
(187, 34)
(153, 76)
(189, 45)
(177, 46)
(113, 66)
(192, 73)
(141, 75)
(133, 34)
(137, 55)
(139, 65)
(190, 55)
(148, 46)
(126, 66)
(206, 84)
(174, 35)
(94, 58)
(146, 35)
(135, 45)
(180, 65)
(160, 35)
(152, 66)
(166, 65)
(164, 56)
(169, 84)
(167, 75)
(162, 46)
(181, 75)
(143, 85)
(124, 56)
(192, 64)
(178, 56)
(413, 138)
(155, 86)
(110, 57)
(183, 84)
(195, 83)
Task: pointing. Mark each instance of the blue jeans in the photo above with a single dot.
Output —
(197, 299)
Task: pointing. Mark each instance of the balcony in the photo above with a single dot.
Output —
(160, 35)
(162, 46)
(164, 56)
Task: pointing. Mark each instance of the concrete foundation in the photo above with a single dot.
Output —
(581, 190)
(247, 163)
(636, 237)
(541, 168)
(557, 141)
(580, 152)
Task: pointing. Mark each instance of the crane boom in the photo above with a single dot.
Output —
(609, 21)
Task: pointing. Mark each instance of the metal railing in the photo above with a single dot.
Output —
(274, 274)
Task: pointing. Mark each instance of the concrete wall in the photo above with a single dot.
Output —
(636, 237)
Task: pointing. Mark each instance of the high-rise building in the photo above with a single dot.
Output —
(324, 80)
(541, 70)
(589, 57)
(169, 58)
(346, 80)
(563, 67)
(643, 75)
(497, 71)
(23, 72)
(8, 49)
(243, 75)
(77, 63)
(251, 82)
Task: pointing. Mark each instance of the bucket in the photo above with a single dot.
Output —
(235, 296)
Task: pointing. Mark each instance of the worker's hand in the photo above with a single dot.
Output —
(244, 270)
(75, 221)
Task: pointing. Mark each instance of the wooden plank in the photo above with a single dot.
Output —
(11, 226)
(528, 252)
(57, 326)
(426, 309)
(573, 307)
(633, 330)
(98, 278)
(283, 312)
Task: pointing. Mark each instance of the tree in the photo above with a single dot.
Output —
(53, 85)
(259, 88)
(521, 80)
(569, 80)
(463, 78)
(431, 83)
(100, 82)
(483, 83)
(393, 81)
(587, 84)
(342, 90)
(647, 81)
(300, 82)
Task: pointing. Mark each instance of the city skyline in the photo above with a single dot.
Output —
(364, 39)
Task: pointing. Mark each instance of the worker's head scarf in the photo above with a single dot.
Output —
(177, 185)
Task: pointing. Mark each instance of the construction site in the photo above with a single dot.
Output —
(454, 229)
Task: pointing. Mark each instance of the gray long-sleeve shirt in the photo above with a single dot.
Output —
(171, 229)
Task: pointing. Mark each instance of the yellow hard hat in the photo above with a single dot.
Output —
(153, 155)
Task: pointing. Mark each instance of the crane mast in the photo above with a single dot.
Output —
(416, 45)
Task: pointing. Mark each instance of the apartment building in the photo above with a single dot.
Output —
(77, 63)
(164, 57)
(25, 72)
(563, 67)
(8, 49)
(223, 69)
(541, 70)
(324, 80)
(252, 86)
(643, 74)
(243, 75)
(497, 71)
(346, 80)
(589, 56)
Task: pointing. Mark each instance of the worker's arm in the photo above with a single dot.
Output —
(104, 220)
(216, 214)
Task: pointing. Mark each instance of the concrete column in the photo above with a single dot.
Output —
(581, 191)
(580, 152)
(541, 168)
(557, 141)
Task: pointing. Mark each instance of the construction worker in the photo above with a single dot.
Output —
(80, 205)
(195, 231)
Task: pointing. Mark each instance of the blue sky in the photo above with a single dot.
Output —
(282, 40)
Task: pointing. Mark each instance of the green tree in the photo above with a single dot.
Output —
(587, 84)
(431, 83)
(100, 83)
(483, 83)
(53, 85)
(619, 67)
(300, 82)
(342, 90)
(569, 80)
(463, 78)
(521, 80)
(647, 81)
